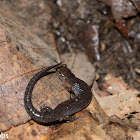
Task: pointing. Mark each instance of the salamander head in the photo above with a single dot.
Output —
(64, 74)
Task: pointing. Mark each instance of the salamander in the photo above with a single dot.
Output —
(64, 110)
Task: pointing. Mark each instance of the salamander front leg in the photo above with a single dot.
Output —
(70, 118)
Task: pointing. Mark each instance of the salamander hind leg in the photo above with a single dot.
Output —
(45, 109)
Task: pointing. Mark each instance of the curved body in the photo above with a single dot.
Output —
(64, 110)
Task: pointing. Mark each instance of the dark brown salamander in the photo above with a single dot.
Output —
(66, 109)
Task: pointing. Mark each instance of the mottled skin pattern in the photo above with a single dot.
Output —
(66, 109)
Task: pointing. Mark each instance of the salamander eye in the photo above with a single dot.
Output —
(64, 65)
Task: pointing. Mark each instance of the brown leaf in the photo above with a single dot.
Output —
(22, 54)
(121, 9)
(123, 101)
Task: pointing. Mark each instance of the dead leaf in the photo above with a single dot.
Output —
(124, 100)
(22, 55)
(121, 9)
